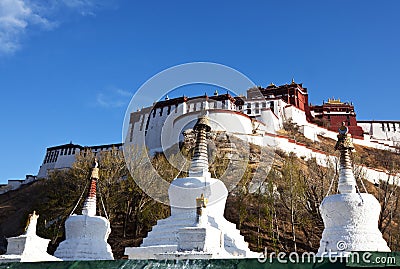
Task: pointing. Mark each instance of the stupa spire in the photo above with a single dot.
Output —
(89, 207)
(347, 182)
(86, 235)
(199, 165)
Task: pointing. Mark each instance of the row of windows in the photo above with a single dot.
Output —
(168, 110)
(334, 116)
(388, 127)
(67, 151)
(258, 105)
(194, 107)
(347, 110)
(52, 156)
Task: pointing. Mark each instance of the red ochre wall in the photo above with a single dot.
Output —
(335, 122)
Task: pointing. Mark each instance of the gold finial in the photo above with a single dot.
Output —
(201, 202)
(272, 84)
(293, 81)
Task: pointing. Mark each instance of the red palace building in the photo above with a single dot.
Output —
(331, 114)
(293, 94)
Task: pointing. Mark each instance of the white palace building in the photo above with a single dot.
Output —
(253, 118)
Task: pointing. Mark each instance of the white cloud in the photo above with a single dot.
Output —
(124, 93)
(19, 17)
(113, 98)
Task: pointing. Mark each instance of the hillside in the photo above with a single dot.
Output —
(281, 213)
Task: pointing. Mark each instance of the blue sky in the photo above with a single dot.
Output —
(68, 68)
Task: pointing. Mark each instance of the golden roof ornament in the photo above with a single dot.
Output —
(201, 203)
(334, 101)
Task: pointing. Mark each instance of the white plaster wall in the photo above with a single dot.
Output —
(301, 151)
(220, 120)
(298, 116)
(160, 126)
(374, 129)
(44, 168)
(65, 161)
(270, 120)
(311, 131)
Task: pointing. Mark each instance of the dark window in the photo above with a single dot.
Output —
(161, 111)
(248, 111)
(249, 105)
(154, 113)
(169, 110)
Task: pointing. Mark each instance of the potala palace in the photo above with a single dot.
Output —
(197, 228)
(255, 118)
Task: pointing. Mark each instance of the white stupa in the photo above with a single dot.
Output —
(86, 234)
(28, 247)
(196, 228)
(350, 218)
